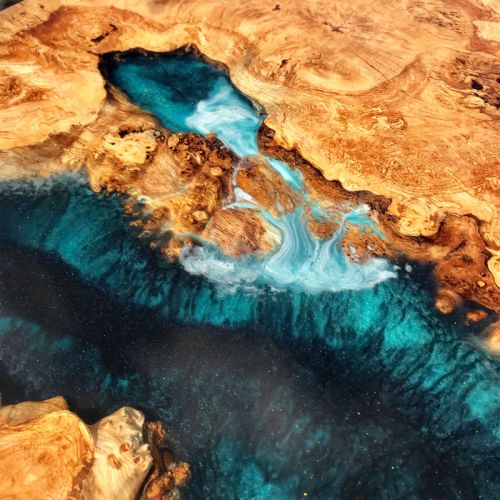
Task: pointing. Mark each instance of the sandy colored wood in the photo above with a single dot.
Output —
(396, 98)
(121, 460)
(29, 410)
(492, 340)
(48, 452)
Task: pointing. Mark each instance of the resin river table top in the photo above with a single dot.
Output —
(279, 326)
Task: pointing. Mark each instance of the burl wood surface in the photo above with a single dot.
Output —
(48, 452)
(396, 98)
(47, 457)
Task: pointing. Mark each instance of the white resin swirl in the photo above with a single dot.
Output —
(302, 261)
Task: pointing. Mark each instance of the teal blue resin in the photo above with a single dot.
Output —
(188, 95)
(387, 340)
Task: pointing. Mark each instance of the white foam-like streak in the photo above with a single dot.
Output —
(229, 117)
(235, 122)
(302, 262)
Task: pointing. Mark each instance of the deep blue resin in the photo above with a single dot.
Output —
(355, 394)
